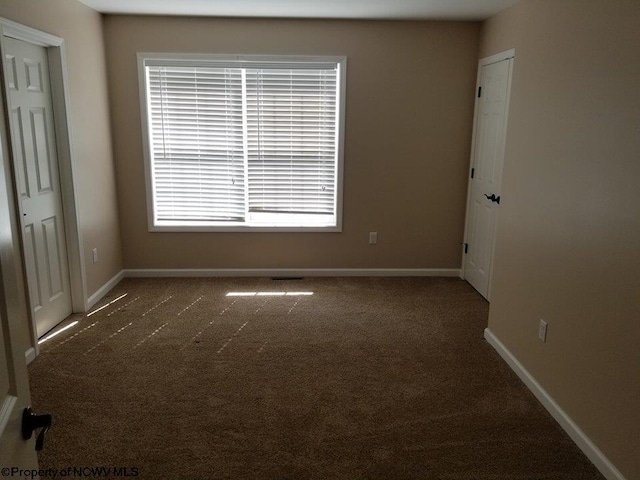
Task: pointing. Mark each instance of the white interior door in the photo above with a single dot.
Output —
(487, 161)
(14, 385)
(14, 397)
(38, 182)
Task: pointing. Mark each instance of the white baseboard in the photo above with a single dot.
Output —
(297, 272)
(269, 272)
(585, 444)
(30, 355)
(102, 291)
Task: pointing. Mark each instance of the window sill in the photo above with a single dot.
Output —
(244, 229)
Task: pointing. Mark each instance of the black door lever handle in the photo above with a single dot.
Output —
(32, 422)
(493, 198)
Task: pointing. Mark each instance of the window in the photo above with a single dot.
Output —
(243, 143)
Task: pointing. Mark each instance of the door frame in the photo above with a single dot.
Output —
(66, 162)
(498, 57)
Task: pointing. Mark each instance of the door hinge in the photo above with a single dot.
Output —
(466, 247)
(479, 92)
(473, 171)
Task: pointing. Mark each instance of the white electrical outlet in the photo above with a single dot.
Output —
(95, 255)
(542, 330)
(373, 237)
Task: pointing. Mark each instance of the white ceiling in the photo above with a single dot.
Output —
(369, 9)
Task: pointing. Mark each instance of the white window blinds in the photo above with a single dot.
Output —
(291, 140)
(243, 143)
(197, 143)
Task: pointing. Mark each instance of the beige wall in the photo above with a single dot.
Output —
(408, 123)
(81, 29)
(568, 244)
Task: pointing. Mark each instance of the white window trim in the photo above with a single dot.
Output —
(143, 57)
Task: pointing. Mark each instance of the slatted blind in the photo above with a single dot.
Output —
(230, 141)
(197, 143)
(291, 140)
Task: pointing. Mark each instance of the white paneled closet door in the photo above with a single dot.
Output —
(38, 182)
(484, 203)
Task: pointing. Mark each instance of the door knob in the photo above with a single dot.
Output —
(32, 422)
(493, 198)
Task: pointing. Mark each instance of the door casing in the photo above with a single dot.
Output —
(61, 108)
(506, 55)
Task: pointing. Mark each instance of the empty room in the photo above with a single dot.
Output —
(358, 239)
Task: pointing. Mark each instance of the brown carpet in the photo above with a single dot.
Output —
(368, 378)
